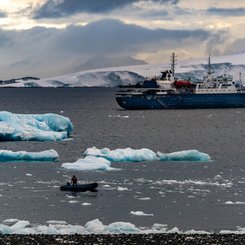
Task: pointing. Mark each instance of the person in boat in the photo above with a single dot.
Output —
(74, 180)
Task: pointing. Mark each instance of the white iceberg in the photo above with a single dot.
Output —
(122, 155)
(41, 127)
(94, 227)
(189, 155)
(140, 213)
(89, 163)
(7, 156)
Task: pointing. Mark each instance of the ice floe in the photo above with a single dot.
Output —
(89, 163)
(122, 155)
(144, 198)
(7, 156)
(189, 155)
(100, 159)
(144, 154)
(225, 184)
(120, 188)
(140, 213)
(235, 203)
(41, 127)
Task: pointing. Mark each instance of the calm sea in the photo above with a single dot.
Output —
(188, 195)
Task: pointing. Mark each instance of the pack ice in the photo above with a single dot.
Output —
(40, 127)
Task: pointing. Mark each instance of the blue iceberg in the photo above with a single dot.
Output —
(132, 155)
(40, 127)
(189, 155)
(8, 156)
(123, 155)
(89, 163)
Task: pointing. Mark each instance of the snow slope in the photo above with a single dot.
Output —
(111, 77)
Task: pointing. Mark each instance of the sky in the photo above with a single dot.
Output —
(44, 38)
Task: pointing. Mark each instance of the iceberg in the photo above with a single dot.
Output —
(123, 155)
(7, 156)
(189, 155)
(93, 227)
(89, 163)
(132, 155)
(40, 127)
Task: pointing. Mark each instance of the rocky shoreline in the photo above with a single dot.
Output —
(111, 239)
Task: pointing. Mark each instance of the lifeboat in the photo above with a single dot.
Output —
(182, 84)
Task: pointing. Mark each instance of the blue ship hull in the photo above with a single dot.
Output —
(181, 101)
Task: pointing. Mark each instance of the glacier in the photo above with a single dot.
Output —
(132, 155)
(89, 163)
(48, 155)
(114, 76)
(39, 127)
(123, 155)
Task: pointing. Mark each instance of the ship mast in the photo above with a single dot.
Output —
(209, 66)
(173, 62)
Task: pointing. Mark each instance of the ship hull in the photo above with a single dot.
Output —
(182, 101)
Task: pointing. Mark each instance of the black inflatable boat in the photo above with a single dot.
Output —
(86, 187)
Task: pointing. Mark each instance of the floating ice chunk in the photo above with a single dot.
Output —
(235, 203)
(89, 163)
(121, 227)
(189, 155)
(132, 155)
(49, 155)
(86, 204)
(119, 188)
(73, 201)
(144, 198)
(95, 226)
(41, 127)
(123, 155)
(140, 213)
(61, 222)
(10, 220)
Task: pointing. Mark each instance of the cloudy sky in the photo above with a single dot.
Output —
(53, 37)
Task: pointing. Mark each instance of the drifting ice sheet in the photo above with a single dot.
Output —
(7, 156)
(131, 155)
(42, 127)
(123, 155)
(190, 155)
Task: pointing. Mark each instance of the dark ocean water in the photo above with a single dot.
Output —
(183, 194)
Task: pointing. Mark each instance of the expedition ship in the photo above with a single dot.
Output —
(170, 93)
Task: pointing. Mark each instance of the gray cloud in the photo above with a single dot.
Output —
(52, 9)
(227, 12)
(236, 47)
(48, 51)
(3, 15)
(5, 41)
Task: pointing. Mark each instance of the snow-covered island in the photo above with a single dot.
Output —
(112, 77)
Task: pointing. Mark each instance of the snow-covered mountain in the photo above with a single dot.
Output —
(111, 77)
(102, 61)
